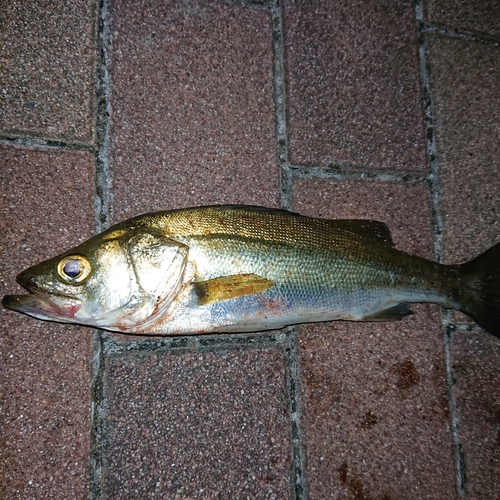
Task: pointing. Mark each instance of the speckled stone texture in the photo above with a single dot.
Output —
(464, 80)
(192, 106)
(353, 84)
(195, 98)
(481, 15)
(48, 69)
(375, 415)
(45, 367)
(207, 424)
(476, 371)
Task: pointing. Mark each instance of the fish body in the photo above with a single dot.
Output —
(244, 269)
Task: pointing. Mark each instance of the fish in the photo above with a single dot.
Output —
(236, 268)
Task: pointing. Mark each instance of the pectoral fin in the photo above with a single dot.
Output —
(231, 287)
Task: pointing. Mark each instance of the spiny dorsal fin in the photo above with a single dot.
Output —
(364, 227)
(231, 287)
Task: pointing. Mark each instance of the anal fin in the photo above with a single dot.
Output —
(395, 313)
(231, 287)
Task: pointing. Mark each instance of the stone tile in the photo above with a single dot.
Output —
(206, 424)
(464, 84)
(375, 409)
(46, 206)
(48, 56)
(476, 371)
(192, 106)
(353, 85)
(480, 15)
(375, 414)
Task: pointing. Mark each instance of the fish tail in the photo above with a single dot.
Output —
(480, 296)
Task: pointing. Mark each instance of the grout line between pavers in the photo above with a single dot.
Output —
(35, 142)
(299, 487)
(252, 4)
(345, 173)
(113, 346)
(102, 122)
(97, 416)
(285, 186)
(434, 178)
(299, 483)
(461, 480)
(437, 222)
(101, 173)
(463, 34)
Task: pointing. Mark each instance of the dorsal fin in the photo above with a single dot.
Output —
(368, 228)
(363, 227)
(256, 208)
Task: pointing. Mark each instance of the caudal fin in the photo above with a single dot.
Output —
(481, 296)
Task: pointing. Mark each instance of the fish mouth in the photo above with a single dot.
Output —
(40, 304)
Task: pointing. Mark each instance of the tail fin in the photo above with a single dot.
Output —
(481, 298)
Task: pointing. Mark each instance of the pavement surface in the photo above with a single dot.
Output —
(338, 109)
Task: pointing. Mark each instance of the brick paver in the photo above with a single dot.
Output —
(45, 372)
(207, 424)
(354, 86)
(48, 69)
(192, 107)
(469, 150)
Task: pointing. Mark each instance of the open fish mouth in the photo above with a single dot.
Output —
(41, 305)
(31, 305)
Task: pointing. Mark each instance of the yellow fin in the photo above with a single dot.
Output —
(231, 287)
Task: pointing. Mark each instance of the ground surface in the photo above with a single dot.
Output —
(339, 109)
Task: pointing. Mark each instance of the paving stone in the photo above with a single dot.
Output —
(464, 83)
(353, 85)
(375, 414)
(476, 371)
(481, 15)
(45, 367)
(375, 410)
(48, 83)
(206, 424)
(192, 106)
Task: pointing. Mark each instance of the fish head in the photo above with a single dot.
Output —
(119, 280)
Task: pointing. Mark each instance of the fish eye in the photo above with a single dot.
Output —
(74, 269)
